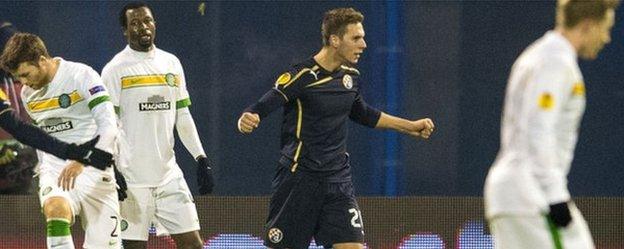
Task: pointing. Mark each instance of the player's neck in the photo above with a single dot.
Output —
(327, 59)
(573, 35)
(53, 65)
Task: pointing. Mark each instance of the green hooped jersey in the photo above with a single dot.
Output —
(147, 89)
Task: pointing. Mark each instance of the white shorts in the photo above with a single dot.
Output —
(97, 206)
(170, 208)
(521, 232)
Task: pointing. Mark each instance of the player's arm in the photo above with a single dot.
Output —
(288, 86)
(548, 89)
(367, 115)
(32, 136)
(102, 110)
(187, 131)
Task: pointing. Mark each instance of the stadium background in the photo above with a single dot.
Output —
(446, 60)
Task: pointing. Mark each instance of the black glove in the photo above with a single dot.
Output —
(122, 186)
(87, 154)
(560, 214)
(205, 180)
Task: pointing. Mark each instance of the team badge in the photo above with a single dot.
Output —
(546, 101)
(275, 235)
(64, 101)
(124, 225)
(283, 79)
(170, 78)
(46, 191)
(347, 81)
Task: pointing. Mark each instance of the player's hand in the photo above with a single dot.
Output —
(560, 214)
(7, 155)
(87, 154)
(205, 181)
(248, 122)
(122, 187)
(421, 128)
(68, 176)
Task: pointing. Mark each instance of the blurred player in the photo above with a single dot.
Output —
(28, 134)
(312, 190)
(527, 201)
(69, 101)
(149, 87)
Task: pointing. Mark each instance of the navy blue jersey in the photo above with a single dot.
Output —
(317, 105)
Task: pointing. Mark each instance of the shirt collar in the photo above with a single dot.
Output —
(142, 55)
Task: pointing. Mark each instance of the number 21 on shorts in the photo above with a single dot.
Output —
(356, 220)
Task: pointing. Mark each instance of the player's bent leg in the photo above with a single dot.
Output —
(190, 240)
(348, 246)
(58, 215)
(134, 244)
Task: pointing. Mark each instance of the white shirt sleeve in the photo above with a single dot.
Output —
(113, 85)
(545, 94)
(182, 96)
(102, 110)
(187, 131)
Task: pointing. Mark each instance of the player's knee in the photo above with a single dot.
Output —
(57, 207)
(348, 246)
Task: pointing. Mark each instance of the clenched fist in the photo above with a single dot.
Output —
(248, 122)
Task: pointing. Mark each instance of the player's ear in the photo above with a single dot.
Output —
(334, 41)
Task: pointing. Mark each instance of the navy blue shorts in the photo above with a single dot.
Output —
(304, 207)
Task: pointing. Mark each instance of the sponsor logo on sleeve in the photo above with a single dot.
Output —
(96, 89)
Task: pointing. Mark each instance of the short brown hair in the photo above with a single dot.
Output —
(335, 22)
(22, 47)
(572, 12)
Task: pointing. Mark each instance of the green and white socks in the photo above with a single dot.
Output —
(59, 234)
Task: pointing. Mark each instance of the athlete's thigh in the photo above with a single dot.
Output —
(175, 207)
(521, 232)
(293, 211)
(340, 219)
(138, 212)
(577, 235)
(100, 217)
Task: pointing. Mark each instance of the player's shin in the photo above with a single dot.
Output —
(59, 234)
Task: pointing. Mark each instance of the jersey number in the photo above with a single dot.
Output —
(355, 220)
(114, 232)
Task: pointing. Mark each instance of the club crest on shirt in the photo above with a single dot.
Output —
(124, 225)
(64, 100)
(347, 81)
(155, 103)
(170, 79)
(275, 235)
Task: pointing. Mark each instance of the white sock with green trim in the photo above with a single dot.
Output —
(59, 234)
